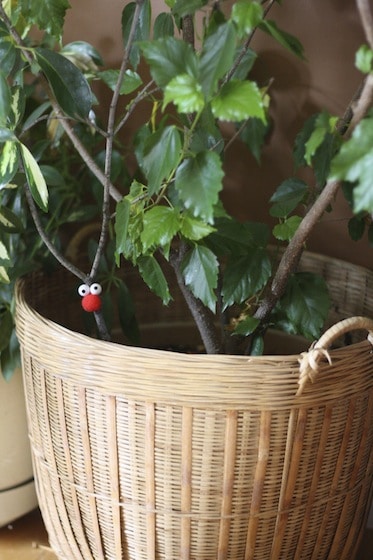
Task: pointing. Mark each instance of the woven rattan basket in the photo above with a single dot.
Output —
(144, 454)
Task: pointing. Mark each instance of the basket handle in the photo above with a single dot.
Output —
(309, 361)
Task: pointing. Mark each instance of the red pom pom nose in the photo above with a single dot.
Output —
(91, 303)
(91, 300)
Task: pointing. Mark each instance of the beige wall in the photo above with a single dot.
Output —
(331, 32)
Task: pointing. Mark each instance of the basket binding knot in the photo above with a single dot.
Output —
(309, 363)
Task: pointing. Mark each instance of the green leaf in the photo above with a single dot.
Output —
(5, 100)
(254, 135)
(163, 26)
(364, 59)
(122, 216)
(306, 303)
(48, 15)
(237, 101)
(160, 225)
(35, 115)
(6, 328)
(9, 222)
(200, 271)
(286, 230)
(10, 357)
(131, 80)
(217, 56)
(246, 326)
(247, 15)
(4, 278)
(194, 229)
(83, 55)
(287, 196)
(324, 124)
(127, 315)
(245, 65)
(198, 182)
(8, 54)
(161, 156)
(35, 179)
(354, 163)
(245, 276)
(356, 227)
(153, 276)
(9, 162)
(186, 93)
(142, 28)
(285, 39)
(169, 57)
(182, 8)
(68, 83)
(4, 255)
(17, 106)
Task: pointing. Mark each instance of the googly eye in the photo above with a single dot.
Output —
(83, 290)
(95, 289)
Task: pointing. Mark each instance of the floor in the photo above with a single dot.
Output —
(26, 539)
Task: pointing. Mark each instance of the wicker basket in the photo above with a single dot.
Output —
(144, 454)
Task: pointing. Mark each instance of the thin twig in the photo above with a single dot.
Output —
(46, 240)
(110, 141)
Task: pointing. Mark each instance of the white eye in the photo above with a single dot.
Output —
(83, 290)
(95, 289)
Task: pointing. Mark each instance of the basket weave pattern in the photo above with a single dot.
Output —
(142, 454)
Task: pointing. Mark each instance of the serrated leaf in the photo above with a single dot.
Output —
(324, 124)
(153, 276)
(142, 28)
(287, 196)
(198, 182)
(9, 222)
(285, 39)
(68, 83)
(48, 15)
(217, 57)
(246, 15)
(186, 93)
(286, 230)
(238, 101)
(169, 57)
(131, 80)
(160, 225)
(9, 162)
(35, 179)
(306, 303)
(161, 155)
(354, 163)
(200, 271)
(194, 229)
(245, 276)
(253, 135)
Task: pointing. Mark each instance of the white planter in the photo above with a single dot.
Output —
(17, 487)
